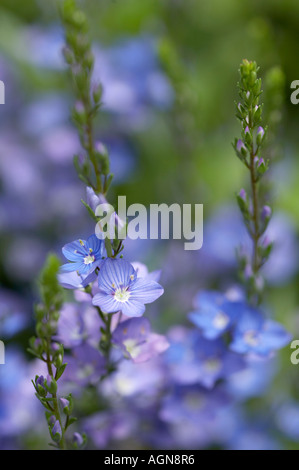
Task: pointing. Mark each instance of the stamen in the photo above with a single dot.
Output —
(89, 259)
(122, 295)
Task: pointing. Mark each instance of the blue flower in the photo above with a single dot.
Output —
(254, 334)
(71, 280)
(121, 290)
(192, 404)
(214, 313)
(287, 419)
(85, 256)
(85, 366)
(193, 359)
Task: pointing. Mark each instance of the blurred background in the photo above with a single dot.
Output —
(169, 71)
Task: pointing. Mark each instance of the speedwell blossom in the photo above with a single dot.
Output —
(214, 313)
(121, 290)
(85, 255)
(254, 334)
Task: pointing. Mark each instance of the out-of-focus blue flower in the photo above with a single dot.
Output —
(253, 334)
(193, 359)
(85, 256)
(192, 403)
(253, 438)
(78, 324)
(283, 262)
(36, 122)
(121, 290)
(131, 77)
(12, 314)
(113, 426)
(214, 313)
(43, 47)
(253, 380)
(225, 230)
(18, 405)
(287, 420)
(136, 340)
(85, 366)
(71, 280)
(142, 382)
(142, 271)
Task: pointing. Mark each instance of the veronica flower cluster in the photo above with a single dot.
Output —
(116, 291)
(101, 348)
(233, 342)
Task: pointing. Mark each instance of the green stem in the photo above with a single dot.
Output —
(255, 215)
(62, 443)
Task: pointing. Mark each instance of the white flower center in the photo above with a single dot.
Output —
(89, 259)
(194, 401)
(132, 347)
(122, 295)
(220, 321)
(212, 365)
(251, 338)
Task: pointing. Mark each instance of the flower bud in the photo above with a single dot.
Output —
(78, 440)
(266, 213)
(260, 135)
(56, 431)
(65, 405)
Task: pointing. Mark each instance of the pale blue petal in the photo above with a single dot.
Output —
(69, 267)
(133, 308)
(115, 273)
(145, 291)
(106, 302)
(70, 249)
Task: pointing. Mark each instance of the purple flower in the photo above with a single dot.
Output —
(253, 334)
(136, 340)
(214, 313)
(121, 290)
(85, 256)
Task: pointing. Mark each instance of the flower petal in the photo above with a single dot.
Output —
(145, 291)
(106, 302)
(115, 273)
(69, 267)
(69, 250)
(95, 244)
(133, 308)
